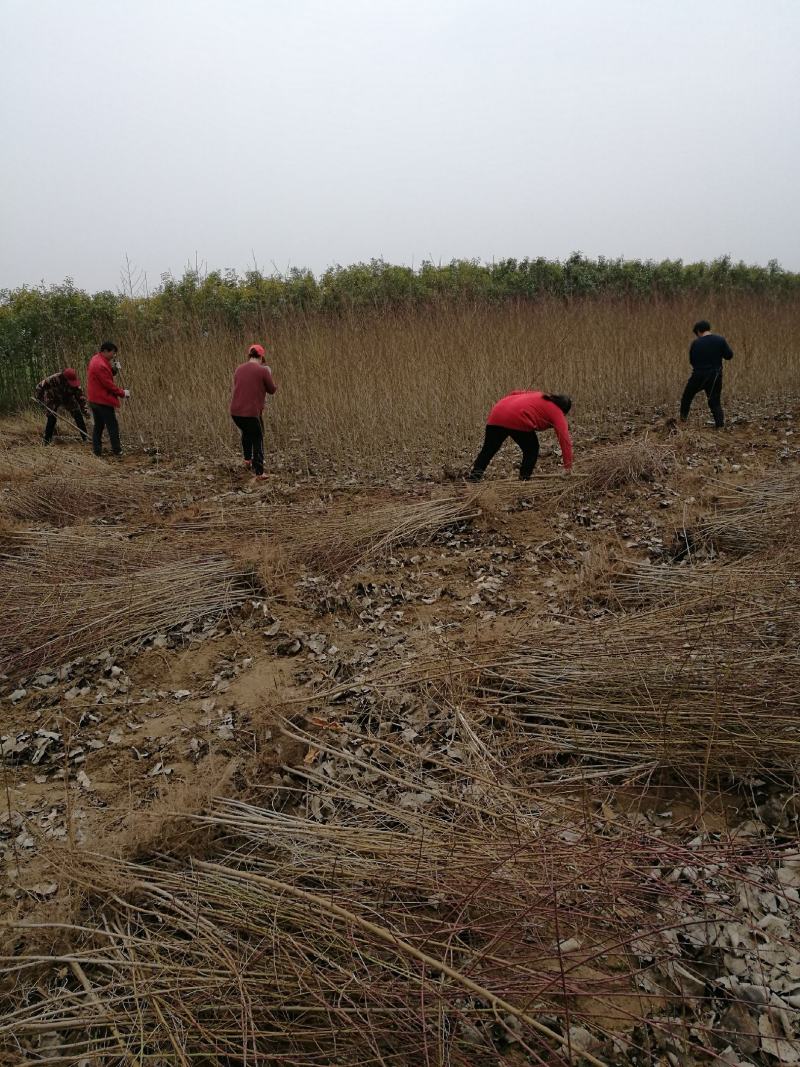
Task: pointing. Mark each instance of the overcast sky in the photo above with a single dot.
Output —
(315, 132)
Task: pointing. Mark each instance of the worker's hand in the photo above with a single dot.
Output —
(116, 366)
(126, 393)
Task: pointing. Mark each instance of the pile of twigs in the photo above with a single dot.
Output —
(627, 463)
(61, 488)
(706, 585)
(610, 468)
(705, 681)
(713, 695)
(63, 595)
(492, 927)
(85, 551)
(692, 687)
(341, 540)
(246, 520)
(754, 517)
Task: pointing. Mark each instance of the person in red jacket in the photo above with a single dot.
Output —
(104, 397)
(252, 381)
(518, 416)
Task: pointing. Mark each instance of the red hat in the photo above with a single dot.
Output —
(69, 374)
(256, 350)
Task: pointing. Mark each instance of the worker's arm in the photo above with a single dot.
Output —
(727, 352)
(80, 400)
(269, 381)
(561, 427)
(106, 376)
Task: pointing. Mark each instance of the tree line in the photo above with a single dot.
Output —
(42, 327)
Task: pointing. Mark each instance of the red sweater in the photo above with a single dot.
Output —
(251, 383)
(100, 386)
(530, 411)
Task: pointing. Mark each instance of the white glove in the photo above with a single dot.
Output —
(116, 366)
(126, 393)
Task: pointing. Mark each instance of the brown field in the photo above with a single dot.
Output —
(365, 765)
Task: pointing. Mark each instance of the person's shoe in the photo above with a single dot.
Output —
(248, 463)
(475, 476)
(260, 477)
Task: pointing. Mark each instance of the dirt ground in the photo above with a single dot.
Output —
(103, 751)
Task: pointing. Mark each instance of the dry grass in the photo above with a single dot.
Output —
(688, 688)
(63, 486)
(86, 551)
(342, 539)
(403, 937)
(703, 695)
(706, 586)
(628, 463)
(20, 465)
(102, 599)
(374, 391)
(9, 532)
(330, 535)
(755, 517)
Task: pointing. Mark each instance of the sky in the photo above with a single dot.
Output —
(309, 133)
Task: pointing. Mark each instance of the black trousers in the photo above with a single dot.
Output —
(710, 383)
(105, 418)
(252, 430)
(493, 442)
(52, 420)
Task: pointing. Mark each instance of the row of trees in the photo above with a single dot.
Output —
(42, 326)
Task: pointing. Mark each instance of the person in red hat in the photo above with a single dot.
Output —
(252, 381)
(62, 390)
(104, 398)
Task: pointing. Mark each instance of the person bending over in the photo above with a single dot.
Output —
(62, 390)
(518, 416)
(252, 381)
(706, 354)
(104, 398)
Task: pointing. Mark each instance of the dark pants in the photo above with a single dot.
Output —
(710, 383)
(105, 418)
(252, 440)
(492, 443)
(52, 420)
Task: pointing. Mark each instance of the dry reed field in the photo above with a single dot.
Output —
(367, 766)
(378, 390)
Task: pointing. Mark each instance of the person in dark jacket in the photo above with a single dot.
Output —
(62, 390)
(706, 354)
(252, 381)
(104, 398)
